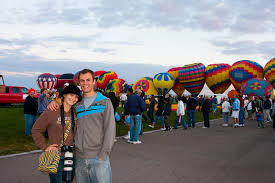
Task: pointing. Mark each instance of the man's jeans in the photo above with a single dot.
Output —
(214, 108)
(161, 120)
(93, 170)
(29, 122)
(135, 127)
(182, 122)
(241, 116)
(225, 117)
(191, 117)
(206, 119)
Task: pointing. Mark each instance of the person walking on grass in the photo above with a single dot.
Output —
(206, 106)
(56, 127)
(30, 111)
(180, 114)
(225, 111)
(159, 113)
(134, 107)
(236, 111)
(95, 133)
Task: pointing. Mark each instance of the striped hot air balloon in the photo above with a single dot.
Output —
(46, 80)
(243, 70)
(146, 85)
(104, 79)
(217, 77)
(178, 88)
(174, 72)
(163, 83)
(192, 77)
(269, 72)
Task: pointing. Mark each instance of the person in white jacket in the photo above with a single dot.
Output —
(180, 114)
(225, 111)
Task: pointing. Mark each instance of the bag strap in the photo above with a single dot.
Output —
(71, 125)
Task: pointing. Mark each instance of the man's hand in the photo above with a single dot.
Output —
(53, 106)
(52, 147)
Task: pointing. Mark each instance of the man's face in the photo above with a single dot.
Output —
(86, 82)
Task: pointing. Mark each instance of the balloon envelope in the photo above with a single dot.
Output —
(174, 72)
(98, 73)
(269, 72)
(192, 77)
(46, 80)
(115, 85)
(257, 87)
(217, 77)
(163, 82)
(243, 70)
(146, 85)
(64, 78)
(232, 93)
(104, 79)
(178, 88)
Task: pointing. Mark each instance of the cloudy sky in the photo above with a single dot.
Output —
(166, 33)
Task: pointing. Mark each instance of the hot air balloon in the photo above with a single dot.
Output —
(146, 85)
(76, 82)
(104, 79)
(243, 70)
(174, 72)
(257, 87)
(98, 73)
(269, 72)
(232, 93)
(178, 88)
(46, 80)
(163, 82)
(192, 77)
(115, 85)
(217, 77)
(64, 78)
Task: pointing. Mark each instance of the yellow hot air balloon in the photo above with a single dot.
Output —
(163, 83)
(146, 85)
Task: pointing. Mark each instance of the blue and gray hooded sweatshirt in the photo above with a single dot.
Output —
(95, 128)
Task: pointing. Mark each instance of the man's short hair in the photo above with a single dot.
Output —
(85, 71)
(42, 90)
(130, 90)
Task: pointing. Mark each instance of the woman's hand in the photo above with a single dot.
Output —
(52, 147)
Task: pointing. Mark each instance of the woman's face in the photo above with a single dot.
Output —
(31, 93)
(70, 99)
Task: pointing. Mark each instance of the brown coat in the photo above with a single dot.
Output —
(51, 121)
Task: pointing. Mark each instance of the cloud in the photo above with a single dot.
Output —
(103, 50)
(266, 49)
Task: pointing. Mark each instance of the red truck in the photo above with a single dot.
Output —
(12, 94)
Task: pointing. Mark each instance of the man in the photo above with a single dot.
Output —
(191, 111)
(134, 107)
(43, 101)
(30, 111)
(123, 99)
(236, 111)
(95, 132)
(166, 114)
(214, 104)
(267, 106)
(241, 113)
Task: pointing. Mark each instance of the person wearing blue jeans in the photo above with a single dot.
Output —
(241, 116)
(135, 127)
(180, 114)
(159, 113)
(30, 111)
(191, 111)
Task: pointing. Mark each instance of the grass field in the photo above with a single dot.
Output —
(12, 129)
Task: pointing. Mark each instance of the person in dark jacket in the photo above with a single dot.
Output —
(30, 111)
(151, 108)
(191, 111)
(114, 100)
(159, 113)
(134, 107)
(206, 105)
(267, 106)
(166, 114)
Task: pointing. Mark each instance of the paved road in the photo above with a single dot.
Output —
(215, 155)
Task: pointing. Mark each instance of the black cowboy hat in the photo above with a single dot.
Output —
(72, 89)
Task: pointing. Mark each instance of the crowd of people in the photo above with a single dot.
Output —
(90, 117)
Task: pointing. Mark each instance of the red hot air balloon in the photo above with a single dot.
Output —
(98, 73)
(46, 80)
(104, 79)
(65, 78)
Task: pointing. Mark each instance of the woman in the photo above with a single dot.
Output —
(30, 111)
(206, 106)
(51, 121)
(225, 111)
(151, 108)
(180, 114)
